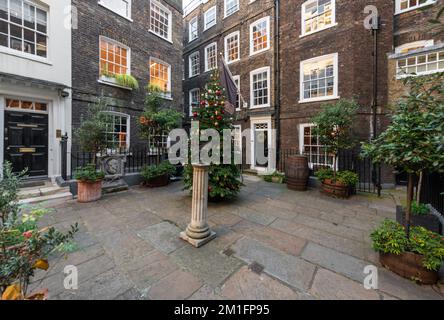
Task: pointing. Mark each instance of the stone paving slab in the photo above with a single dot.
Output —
(292, 270)
(247, 285)
(328, 285)
(180, 286)
(206, 263)
(206, 293)
(163, 236)
(333, 260)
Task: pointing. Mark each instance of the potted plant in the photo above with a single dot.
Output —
(123, 80)
(24, 246)
(418, 257)
(91, 136)
(157, 120)
(157, 175)
(413, 142)
(333, 126)
(89, 183)
(275, 177)
(343, 186)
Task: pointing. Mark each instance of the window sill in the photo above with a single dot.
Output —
(317, 31)
(226, 16)
(259, 52)
(112, 82)
(160, 37)
(24, 55)
(403, 76)
(319, 99)
(110, 9)
(205, 29)
(233, 61)
(190, 41)
(193, 76)
(260, 107)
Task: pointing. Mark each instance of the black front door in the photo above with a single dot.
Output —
(26, 142)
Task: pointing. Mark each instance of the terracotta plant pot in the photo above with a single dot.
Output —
(335, 189)
(160, 181)
(409, 265)
(89, 191)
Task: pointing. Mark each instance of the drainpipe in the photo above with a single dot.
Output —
(376, 168)
(277, 79)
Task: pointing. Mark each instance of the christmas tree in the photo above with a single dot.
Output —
(224, 179)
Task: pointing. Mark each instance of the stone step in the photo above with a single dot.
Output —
(47, 190)
(50, 197)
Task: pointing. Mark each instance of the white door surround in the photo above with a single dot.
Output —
(267, 126)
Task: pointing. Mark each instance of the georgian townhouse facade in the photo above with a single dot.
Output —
(327, 54)
(243, 31)
(418, 50)
(140, 38)
(35, 84)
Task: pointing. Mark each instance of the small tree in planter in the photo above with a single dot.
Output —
(414, 143)
(24, 247)
(155, 123)
(91, 136)
(224, 179)
(333, 126)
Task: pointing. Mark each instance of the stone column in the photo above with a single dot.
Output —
(198, 232)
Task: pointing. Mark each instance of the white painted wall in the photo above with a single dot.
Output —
(57, 66)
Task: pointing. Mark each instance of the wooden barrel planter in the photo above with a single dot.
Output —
(89, 191)
(160, 181)
(409, 265)
(338, 190)
(297, 173)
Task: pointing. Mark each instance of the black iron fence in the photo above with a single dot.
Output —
(351, 160)
(433, 191)
(135, 157)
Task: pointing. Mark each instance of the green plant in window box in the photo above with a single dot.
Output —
(127, 80)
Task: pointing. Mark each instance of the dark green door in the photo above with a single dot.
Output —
(26, 142)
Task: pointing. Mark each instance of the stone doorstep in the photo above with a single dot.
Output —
(57, 196)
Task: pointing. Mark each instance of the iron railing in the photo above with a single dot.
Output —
(432, 191)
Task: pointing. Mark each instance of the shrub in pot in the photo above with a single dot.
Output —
(414, 142)
(341, 185)
(275, 177)
(421, 216)
(89, 183)
(418, 257)
(157, 175)
(333, 126)
(91, 136)
(24, 246)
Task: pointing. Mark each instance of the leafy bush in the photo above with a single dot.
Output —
(24, 247)
(154, 171)
(390, 238)
(347, 178)
(276, 174)
(89, 174)
(420, 209)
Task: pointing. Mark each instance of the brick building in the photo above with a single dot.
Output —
(244, 32)
(140, 38)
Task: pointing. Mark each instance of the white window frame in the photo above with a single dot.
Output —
(111, 80)
(189, 99)
(398, 9)
(225, 8)
(231, 35)
(167, 94)
(170, 21)
(333, 21)
(239, 105)
(128, 17)
(206, 27)
(335, 75)
(190, 29)
(302, 127)
(190, 69)
(255, 72)
(26, 55)
(415, 56)
(128, 127)
(207, 68)
(267, 20)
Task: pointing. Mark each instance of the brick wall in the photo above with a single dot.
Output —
(95, 21)
(239, 21)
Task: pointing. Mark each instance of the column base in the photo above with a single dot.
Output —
(197, 242)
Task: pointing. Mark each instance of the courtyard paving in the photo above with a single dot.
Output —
(272, 243)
